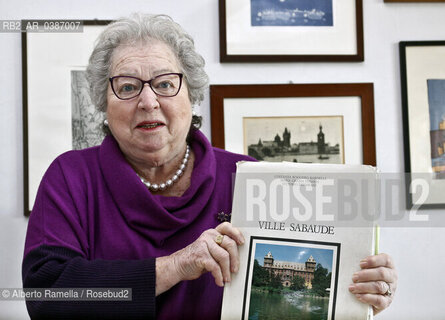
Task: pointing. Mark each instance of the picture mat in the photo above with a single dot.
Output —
(235, 109)
(242, 38)
(294, 243)
(422, 64)
(333, 130)
(49, 111)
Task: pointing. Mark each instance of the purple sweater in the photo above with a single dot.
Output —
(94, 224)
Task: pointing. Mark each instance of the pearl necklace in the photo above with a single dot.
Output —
(169, 182)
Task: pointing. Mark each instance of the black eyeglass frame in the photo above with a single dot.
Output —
(149, 83)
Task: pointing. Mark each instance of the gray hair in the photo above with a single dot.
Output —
(142, 28)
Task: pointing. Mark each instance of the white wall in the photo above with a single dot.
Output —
(418, 252)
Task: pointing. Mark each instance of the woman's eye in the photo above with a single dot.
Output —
(165, 85)
(128, 88)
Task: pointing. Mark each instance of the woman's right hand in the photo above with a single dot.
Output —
(201, 256)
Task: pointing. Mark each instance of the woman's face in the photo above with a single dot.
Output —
(148, 127)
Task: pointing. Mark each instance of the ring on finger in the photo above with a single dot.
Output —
(388, 292)
(219, 239)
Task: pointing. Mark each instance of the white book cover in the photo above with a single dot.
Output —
(306, 226)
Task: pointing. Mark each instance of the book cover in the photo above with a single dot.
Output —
(307, 226)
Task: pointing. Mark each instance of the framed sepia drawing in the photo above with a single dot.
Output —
(57, 111)
(423, 107)
(291, 30)
(310, 123)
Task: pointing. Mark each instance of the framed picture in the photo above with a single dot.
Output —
(291, 30)
(57, 111)
(423, 105)
(323, 123)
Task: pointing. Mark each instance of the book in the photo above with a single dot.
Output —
(306, 226)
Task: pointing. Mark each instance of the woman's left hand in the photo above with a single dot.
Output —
(376, 283)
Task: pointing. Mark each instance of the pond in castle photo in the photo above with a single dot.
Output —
(271, 306)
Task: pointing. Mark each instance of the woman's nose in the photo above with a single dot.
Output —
(148, 99)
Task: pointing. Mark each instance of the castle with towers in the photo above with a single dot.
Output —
(288, 270)
(283, 144)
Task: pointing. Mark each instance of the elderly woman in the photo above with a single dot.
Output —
(141, 210)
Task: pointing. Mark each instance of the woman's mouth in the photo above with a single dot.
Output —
(149, 125)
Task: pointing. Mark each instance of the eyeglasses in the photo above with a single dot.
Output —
(164, 85)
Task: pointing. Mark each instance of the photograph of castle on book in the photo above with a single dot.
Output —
(315, 139)
(436, 103)
(292, 280)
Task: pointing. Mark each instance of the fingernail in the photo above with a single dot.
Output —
(241, 240)
(359, 296)
(352, 288)
(363, 263)
(355, 277)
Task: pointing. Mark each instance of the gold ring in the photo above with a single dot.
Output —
(219, 239)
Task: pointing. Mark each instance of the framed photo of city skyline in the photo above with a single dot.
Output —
(304, 272)
(291, 30)
(311, 123)
(423, 107)
(57, 111)
(304, 139)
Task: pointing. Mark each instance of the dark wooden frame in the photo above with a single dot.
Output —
(26, 208)
(363, 90)
(225, 57)
(405, 117)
